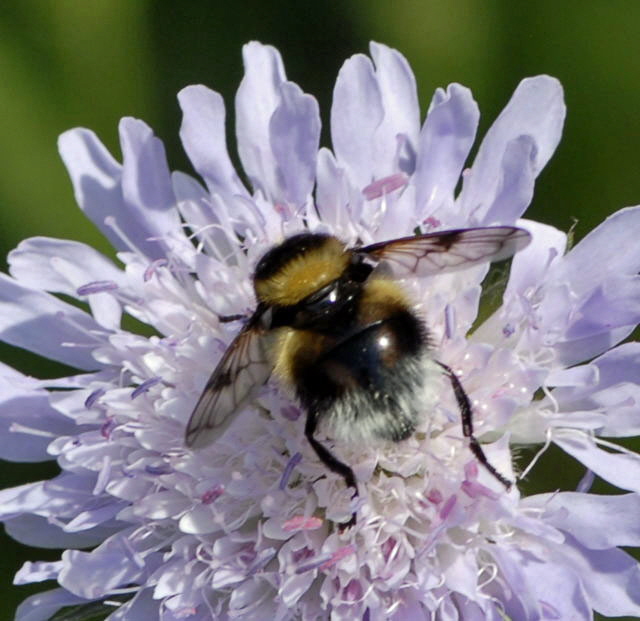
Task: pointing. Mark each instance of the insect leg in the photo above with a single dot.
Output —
(330, 461)
(229, 318)
(467, 425)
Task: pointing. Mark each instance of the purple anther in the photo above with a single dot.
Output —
(145, 386)
(159, 469)
(386, 185)
(432, 223)
(291, 464)
(449, 321)
(211, 495)
(302, 522)
(338, 555)
(290, 412)
(97, 286)
(448, 507)
(151, 269)
(353, 592)
(585, 483)
(93, 397)
(107, 427)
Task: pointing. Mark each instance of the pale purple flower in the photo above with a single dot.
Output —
(248, 528)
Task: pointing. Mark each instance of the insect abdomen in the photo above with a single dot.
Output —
(367, 386)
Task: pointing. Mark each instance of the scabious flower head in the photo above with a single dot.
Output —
(248, 527)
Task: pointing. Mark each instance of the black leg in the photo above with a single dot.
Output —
(331, 462)
(228, 318)
(467, 425)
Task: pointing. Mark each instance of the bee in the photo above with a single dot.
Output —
(333, 323)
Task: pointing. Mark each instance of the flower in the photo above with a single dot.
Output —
(249, 528)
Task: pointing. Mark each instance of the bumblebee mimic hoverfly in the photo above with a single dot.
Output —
(333, 323)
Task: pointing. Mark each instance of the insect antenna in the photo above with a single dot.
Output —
(467, 425)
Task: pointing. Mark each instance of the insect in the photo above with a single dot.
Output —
(333, 323)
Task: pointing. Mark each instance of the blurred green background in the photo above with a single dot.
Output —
(66, 63)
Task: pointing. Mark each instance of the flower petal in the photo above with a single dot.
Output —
(146, 190)
(611, 578)
(47, 326)
(94, 574)
(28, 423)
(294, 130)
(620, 469)
(204, 138)
(62, 266)
(399, 96)
(43, 606)
(356, 113)
(256, 100)
(445, 140)
(598, 522)
(536, 109)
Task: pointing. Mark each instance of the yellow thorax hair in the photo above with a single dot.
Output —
(304, 274)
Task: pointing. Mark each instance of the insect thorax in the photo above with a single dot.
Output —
(298, 267)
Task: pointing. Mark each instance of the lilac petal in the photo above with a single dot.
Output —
(596, 257)
(256, 100)
(204, 138)
(59, 265)
(356, 113)
(536, 109)
(28, 423)
(617, 392)
(295, 135)
(200, 520)
(43, 606)
(38, 532)
(530, 265)
(517, 177)
(583, 375)
(141, 606)
(620, 469)
(518, 596)
(399, 96)
(146, 190)
(610, 578)
(557, 589)
(95, 176)
(63, 496)
(47, 326)
(109, 193)
(63, 266)
(333, 194)
(605, 282)
(445, 140)
(37, 572)
(598, 522)
(94, 574)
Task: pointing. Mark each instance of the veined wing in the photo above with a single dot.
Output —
(447, 251)
(244, 367)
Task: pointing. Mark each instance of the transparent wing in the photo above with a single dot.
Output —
(243, 367)
(447, 251)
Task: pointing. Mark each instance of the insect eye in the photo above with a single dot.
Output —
(322, 299)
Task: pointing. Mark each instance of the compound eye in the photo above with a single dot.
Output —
(322, 299)
(317, 306)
